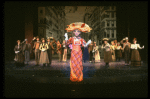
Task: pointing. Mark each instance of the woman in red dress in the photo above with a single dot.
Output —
(76, 74)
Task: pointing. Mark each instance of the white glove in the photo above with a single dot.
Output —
(34, 38)
(66, 36)
(16, 52)
(89, 42)
(143, 47)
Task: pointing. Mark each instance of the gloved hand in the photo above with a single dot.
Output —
(17, 52)
(143, 47)
(89, 42)
(66, 36)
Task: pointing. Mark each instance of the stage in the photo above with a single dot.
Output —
(117, 80)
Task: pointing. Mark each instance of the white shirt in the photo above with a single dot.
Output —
(135, 46)
(118, 47)
(106, 47)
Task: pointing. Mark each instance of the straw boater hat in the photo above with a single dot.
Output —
(105, 39)
(126, 38)
(80, 26)
(134, 39)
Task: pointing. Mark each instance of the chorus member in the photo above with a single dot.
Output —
(27, 51)
(126, 48)
(43, 56)
(76, 74)
(64, 51)
(118, 52)
(59, 50)
(18, 54)
(115, 42)
(107, 51)
(49, 50)
(90, 48)
(112, 47)
(135, 56)
(121, 43)
(96, 53)
(37, 51)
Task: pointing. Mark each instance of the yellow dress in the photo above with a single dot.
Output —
(96, 55)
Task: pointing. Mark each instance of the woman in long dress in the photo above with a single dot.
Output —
(44, 56)
(64, 51)
(19, 60)
(96, 53)
(112, 47)
(135, 56)
(59, 50)
(76, 67)
(118, 52)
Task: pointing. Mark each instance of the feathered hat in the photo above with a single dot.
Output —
(80, 26)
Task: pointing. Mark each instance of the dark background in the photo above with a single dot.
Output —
(129, 14)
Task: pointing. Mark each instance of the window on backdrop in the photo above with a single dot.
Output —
(112, 23)
(107, 35)
(41, 11)
(112, 7)
(104, 34)
(108, 32)
(108, 23)
(113, 33)
(112, 15)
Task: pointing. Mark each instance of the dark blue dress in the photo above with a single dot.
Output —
(85, 54)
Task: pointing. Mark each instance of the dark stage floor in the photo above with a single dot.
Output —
(115, 81)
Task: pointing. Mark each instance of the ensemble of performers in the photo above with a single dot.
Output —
(81, 51)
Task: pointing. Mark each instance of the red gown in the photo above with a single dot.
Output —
(76, 67)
